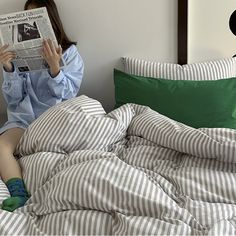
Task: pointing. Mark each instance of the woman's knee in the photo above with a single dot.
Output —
(6, 146)
(9, 140)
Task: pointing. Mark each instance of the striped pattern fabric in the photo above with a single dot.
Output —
(208, 70)
(129, 172)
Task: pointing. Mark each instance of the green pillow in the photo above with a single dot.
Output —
(195, 103)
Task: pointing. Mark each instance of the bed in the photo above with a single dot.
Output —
(132, 171)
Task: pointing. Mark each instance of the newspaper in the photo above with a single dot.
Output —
(24, 31)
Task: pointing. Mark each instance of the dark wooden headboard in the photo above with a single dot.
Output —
(182, 32)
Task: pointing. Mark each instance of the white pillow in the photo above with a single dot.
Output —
(209, 70)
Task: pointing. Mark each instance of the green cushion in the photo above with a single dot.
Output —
(195, 103)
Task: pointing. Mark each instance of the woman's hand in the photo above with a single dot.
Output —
(6, 57)
(52, 56)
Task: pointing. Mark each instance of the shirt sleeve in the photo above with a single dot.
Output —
(67, 83)
(13, 87)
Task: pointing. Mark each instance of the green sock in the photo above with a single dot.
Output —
(18, 192)
(12, 203)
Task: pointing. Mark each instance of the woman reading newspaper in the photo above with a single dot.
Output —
(29, 94)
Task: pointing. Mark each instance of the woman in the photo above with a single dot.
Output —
(28, 95)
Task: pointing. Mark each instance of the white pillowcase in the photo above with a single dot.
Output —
(209, 70)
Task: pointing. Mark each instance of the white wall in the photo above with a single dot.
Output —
(106, 30)
(209, 34)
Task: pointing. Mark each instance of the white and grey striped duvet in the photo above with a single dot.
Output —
(129, 172)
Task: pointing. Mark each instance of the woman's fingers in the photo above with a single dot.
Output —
(46, 48)
(52, 55)
(12, 54)
(3, 51)
(49, 47)
(59, 50)
(52, 46)
(3, 48)
(7, 59)
(7, 56)
(43, 55)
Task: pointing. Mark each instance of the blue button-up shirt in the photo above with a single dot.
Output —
(28, 95)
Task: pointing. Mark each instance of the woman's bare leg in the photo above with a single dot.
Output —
(9, 167)
(10, 170)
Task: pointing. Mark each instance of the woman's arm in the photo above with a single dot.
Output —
(6, 57)
(67, 82)
(13, 87)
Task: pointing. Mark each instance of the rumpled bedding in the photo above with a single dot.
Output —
(132, 171)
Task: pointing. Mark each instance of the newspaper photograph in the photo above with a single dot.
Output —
(24, 32)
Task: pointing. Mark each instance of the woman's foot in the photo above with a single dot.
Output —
(12, 203)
